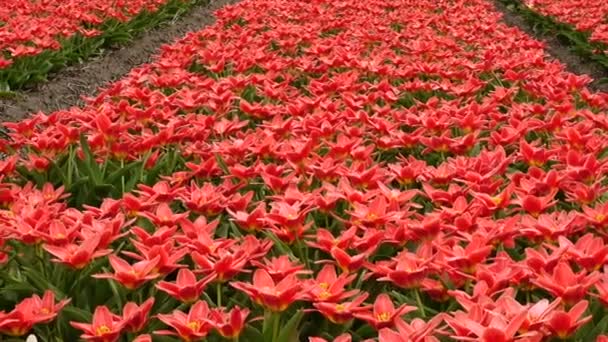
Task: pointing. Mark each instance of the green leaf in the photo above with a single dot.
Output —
(280, 245)
(251, 334)
(39, 282)
(589, 332)
(221, 164)
(90, 164)
(115, 176)
(289, 331)
(234, 229)
(76, 314)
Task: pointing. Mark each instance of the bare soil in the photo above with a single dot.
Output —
(557, 49)
(66, 88)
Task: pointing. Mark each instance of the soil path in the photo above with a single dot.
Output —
(65, 88)
(574, 63)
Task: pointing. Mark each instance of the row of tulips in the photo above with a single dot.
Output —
(39, 37)
(587, 16)
(388, 170)
(579, 25)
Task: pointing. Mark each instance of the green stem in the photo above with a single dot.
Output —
(122, 178)
(275, 327)
(41, 259)
(218, 291)
(419, 302)
(303, 256)
(143, 166)
(70, 161)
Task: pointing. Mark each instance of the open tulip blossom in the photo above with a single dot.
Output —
(382, 170)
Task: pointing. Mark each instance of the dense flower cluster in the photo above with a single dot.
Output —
(383, 170)
(585, 15)
(29, 27)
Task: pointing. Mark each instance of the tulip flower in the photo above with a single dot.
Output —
(229, 324)
(135, 317)
(564, 283)
(384, 313)
(130, 276)
(78, 256)
(105, 327)
(273, 296)
(189, 327)
(340, 313)
(30, 311)
(564, 324)
(186, 288)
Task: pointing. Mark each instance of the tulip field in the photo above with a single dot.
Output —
(381, 170)
(582, 25)
(586, 16)
(39, 37)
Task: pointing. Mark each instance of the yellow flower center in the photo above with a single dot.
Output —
(102, 330)
(194, 325)
(383, 317)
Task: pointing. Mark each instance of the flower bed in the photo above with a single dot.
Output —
(582, 28)
(585, 15)
(38, 37)
(391, 170)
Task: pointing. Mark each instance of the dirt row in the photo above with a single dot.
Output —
(65, 88)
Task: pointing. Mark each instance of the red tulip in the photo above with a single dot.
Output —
(341, 338)
(416, 330)
(163, 216)
(535, 205)
(106, 326)
(280, 267)
(135, 317)
(340, 313)
(229, 324)
(131, 276)
(186, 288)
(588, 252)
(78, 256)
(273, 296)
(564, 283)
(328, 286)
(384, 313)
(406, 270)
(30, 311)
(564, 324)
(223, 264)
(346, 262)
(189, 327)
